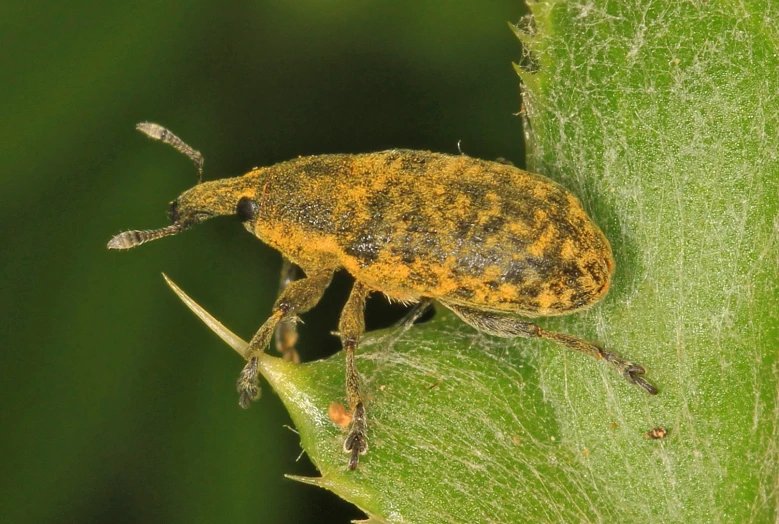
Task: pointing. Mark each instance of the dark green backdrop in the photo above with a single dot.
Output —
(117, 404)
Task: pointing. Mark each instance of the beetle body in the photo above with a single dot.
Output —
(416, 224)
(485, 239)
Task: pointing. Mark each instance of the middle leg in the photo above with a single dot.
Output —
(351, 328)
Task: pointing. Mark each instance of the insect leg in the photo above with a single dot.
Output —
(298, 297)
(287, 332)
(416, 312)
(351, 327)
(507, 326)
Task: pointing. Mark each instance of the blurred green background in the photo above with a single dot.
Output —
(117, 403)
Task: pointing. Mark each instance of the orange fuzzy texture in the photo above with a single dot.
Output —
(415, 224)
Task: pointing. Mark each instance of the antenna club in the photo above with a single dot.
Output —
(126, 240)
(131, 239)
(158, 132)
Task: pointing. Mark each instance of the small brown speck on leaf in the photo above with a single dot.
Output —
(656, 433)
(339, 415)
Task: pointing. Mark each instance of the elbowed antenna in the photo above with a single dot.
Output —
(157, 132)
(130, 239)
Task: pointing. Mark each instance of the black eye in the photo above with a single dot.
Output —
(173, 212)
(246, 209)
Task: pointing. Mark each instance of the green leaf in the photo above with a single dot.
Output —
(453, 417)
(662, 118)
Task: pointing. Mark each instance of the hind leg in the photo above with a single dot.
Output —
(507, 326)
(287, 332)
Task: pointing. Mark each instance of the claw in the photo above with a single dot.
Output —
(631, 371)
(356, 445)
(649, 388)
(248, 384)
(247, 396)
(634, 374)
(354, 458)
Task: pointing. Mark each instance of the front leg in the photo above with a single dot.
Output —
(351, 327)
(298, 297)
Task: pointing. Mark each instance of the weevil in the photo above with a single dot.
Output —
(489, 241)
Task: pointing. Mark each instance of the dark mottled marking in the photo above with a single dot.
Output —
(365, 247)
(464, 293)
(494, 225)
